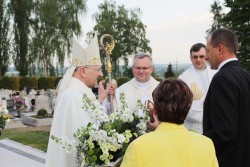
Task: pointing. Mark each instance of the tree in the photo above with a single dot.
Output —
(238, 20)
(169, 72)
(216, 9)
(125, 27)
(56, 20)
(4, 37)
(21, 11)
(128, 72)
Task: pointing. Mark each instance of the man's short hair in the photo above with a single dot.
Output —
(142, 55)
(196, 47)
(225, 37)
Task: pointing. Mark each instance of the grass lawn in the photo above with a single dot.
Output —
(36, 137)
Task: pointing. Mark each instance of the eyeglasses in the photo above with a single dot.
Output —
(142, 68)
(98, 70)
(196, 57)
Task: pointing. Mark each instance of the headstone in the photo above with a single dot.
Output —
(27, 103)
(42, 102)
(51, 93)
(3, 102)
(5, 93)
(10, 104)
(12, 108)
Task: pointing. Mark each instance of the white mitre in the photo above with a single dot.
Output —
(81, 57)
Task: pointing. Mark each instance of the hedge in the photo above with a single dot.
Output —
(19, 83)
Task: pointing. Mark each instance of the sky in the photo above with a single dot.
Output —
(173, 26)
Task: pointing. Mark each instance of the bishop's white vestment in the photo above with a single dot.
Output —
(68, 117)
(135, 90)
(198, 81)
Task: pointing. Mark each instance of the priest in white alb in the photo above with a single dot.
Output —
(85, 69)
(198, 78)
(142, 85)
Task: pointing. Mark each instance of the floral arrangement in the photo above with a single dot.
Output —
(4, 117)
(19, 102)
(107, 138)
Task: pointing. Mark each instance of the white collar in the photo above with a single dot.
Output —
(142, 84)
(226, 61)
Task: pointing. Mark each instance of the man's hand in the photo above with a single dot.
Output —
(103, 93)
(154, 125)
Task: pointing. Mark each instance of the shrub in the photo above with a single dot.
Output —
(5, 83)
(51, 82)
(14, 83)
(42, 83)
(122, 80)
(34, 82)
(24, 82)
(42, 113)
(57, 80)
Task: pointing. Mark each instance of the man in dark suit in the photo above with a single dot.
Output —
(226, 118)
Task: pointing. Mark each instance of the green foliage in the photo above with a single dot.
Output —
(14, 83)
(36, 139)
(1, 83)
(46, 83)
(5, 82)
(34, 82)
(169, 72)
(42, 112)
(51, 82)
(21, 12)
(11, 83)
(57, 80)
(52, 71)
(122, 80)
(216, 9)
(238, 20)
(28, 82)
(42, 83)
(24, 82)
(18, 83)
(4, 37)
(126, 28)
(128, 72)
(55, 22)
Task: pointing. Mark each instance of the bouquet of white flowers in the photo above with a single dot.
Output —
(107, 138)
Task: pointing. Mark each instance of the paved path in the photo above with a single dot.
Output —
(13, 154)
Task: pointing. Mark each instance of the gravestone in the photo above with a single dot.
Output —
(11, 105)
(51, 93)
(42, 102)
(5, 93)
(12, 108)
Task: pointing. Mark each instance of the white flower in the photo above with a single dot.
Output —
(66, 144)
(121, 138)
(142, 126)
(106, 135)
(140, 113)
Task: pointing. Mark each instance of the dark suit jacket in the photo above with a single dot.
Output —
(226, 118)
